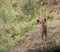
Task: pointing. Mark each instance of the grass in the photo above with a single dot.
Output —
(25, 28)
(6, 49)
(8, 10)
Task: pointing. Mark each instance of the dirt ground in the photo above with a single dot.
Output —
(33, 39)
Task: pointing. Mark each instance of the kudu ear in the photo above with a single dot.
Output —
(38, 21)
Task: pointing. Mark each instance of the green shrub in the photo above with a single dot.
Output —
(5, 49)
(27, 8)
(3, 15)
(50, 17)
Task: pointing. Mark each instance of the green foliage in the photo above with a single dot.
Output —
(27, 8)
(3, 41)
(3, 15)
(50, 17)
(5, 49)
(25, 28)
(23, 18)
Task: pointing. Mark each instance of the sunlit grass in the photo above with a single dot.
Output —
(27, 20)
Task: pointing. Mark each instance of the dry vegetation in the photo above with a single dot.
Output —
(19, 16)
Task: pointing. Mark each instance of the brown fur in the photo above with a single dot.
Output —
(44, 27)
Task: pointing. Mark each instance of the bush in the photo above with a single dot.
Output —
(3, 15)
(5, 49)
(50, 17)
(27, 8)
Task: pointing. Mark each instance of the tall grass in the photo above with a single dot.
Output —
(3, 15)
(25, 28)
(27, 20)
(5, 49)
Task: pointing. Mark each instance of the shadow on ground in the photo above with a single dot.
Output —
(48, 49)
